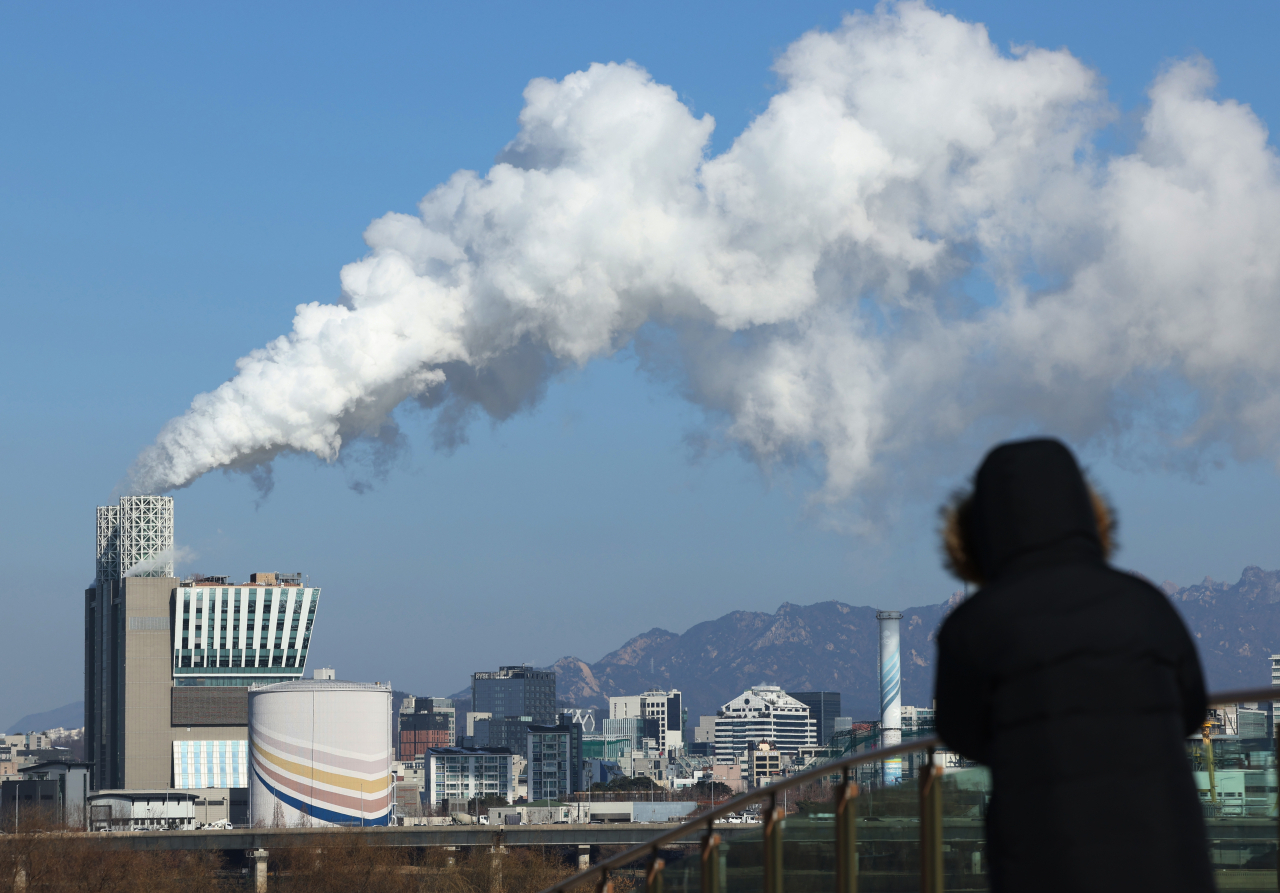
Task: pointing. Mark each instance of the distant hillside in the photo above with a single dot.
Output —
(69, 717)
(832, 646)
(1237, 626)
(828, 646)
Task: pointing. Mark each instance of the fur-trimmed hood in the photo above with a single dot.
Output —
(1027, 496)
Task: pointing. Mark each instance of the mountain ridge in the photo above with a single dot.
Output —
(832, 646)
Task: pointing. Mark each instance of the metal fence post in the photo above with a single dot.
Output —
(847, 836)
(773, 823)
(653, 877)
(931, 826)
(711, 861)
(606, 882)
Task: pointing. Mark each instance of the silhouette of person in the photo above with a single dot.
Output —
(1074, 682)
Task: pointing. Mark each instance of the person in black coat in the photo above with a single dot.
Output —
(1074, 682)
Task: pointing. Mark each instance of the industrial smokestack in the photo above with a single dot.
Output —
(890, 692)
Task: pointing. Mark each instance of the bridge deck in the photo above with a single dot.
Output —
(619, 834)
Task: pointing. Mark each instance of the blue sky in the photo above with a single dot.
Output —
(175, 181)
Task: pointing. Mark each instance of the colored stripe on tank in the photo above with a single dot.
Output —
(315, 754)
(318, 812)
(333, 798)
(333, 779)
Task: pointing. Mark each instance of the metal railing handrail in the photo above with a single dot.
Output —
(706, 821)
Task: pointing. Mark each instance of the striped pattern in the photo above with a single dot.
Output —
(325, 783)
(890, 681)
(210, 764)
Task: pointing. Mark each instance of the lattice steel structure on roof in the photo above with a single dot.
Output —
(135, 538)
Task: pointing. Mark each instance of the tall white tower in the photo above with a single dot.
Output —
(890, 691)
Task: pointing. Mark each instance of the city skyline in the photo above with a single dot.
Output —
(613, 499)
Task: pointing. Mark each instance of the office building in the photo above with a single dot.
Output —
(705, 730)
(168, 663)
(917, 720)
(824, 707)
(516, 691)
(55, 789)
(440, 707)
(665, 707)
(555, 761)
(763, 713)
(639, 733)
(514, 698)
(463, 773)
(764, 761)
(420, 732)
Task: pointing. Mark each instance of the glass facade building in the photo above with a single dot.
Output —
(516, 691)
(824, 707)
(241, 635)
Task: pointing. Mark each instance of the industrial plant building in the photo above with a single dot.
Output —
(169, 663)
(762, 713)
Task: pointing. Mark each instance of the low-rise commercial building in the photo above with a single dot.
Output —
(764, 762)
(140, 810)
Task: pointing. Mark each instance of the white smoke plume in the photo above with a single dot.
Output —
(813, 286)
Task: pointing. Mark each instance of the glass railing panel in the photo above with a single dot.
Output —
(1240, 819)
(1237, 782)
(888, 830)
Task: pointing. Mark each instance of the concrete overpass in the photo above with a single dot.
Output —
(619, 834)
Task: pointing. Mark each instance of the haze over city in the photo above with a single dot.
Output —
(653, 348)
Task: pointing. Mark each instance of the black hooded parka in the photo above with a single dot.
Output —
(1077, 685)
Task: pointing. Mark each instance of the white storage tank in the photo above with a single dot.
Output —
(321, 753)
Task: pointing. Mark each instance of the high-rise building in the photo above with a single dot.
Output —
(763, 713)
(663, 706)
(515, 698)
(824, 707)
(168, 663)
(516, 691)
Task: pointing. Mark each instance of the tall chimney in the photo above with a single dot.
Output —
(890, 692)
